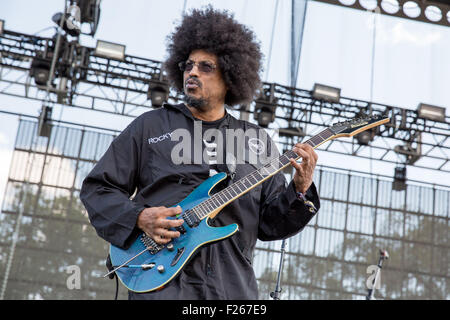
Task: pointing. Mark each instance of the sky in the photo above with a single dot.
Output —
(410, 59)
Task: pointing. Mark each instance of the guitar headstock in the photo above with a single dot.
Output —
(351, 127)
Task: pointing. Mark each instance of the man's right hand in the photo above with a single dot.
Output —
(153, 221)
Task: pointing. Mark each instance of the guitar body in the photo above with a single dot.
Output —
(137, 279)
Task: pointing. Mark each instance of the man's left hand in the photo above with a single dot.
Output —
(304, 171)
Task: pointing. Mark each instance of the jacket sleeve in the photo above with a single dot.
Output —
(282, 213)
(107, 189)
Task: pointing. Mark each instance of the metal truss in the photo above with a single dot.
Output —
(428, 11)
(121, 88)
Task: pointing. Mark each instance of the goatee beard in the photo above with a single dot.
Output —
(197, 103)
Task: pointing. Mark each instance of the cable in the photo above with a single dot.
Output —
(117, 286)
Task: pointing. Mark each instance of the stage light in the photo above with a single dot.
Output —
(264, 113)
(110, 50)
(399, 183)
(364, 137)
(40, 71)
(158, 93)
(2, 26)
(327, 93)
(430, 112)
(44, 125)
(265, 106)
(291, 132)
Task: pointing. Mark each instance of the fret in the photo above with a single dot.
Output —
(311, 143)
(200, 209)
(266, 171)
(206, 206)
(233, 191)
(203, 209)
(316, 140)
(251, 176)
(237, 186)
(242, 182)
(271, 166)
(219, 198)
(226, 190)
(285, 159)
(194, 211)
(245, 181)
(262, 177)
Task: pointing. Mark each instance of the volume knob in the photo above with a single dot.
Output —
(160, 268)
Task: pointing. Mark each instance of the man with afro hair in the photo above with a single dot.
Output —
(215, 62)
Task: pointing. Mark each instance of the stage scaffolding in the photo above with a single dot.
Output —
(360, 214)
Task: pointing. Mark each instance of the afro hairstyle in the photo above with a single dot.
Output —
(235, 45)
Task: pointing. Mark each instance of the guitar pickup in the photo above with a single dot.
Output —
(181, 229)
(177, 257)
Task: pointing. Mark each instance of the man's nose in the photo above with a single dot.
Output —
(194, 71)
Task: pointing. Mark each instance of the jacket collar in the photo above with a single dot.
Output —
(185, 110)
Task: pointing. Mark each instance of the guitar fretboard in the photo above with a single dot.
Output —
(254, 178)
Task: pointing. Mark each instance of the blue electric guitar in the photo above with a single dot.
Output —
(147, 266)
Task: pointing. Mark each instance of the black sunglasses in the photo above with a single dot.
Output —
(203, 66)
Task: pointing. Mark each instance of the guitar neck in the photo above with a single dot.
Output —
(250, 181)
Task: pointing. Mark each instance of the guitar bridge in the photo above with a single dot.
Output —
(151, 245)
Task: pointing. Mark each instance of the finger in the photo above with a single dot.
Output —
(166, 234)
(296, 165)
(172, 211)
(168, 223)
(161, 239)
(302, 153)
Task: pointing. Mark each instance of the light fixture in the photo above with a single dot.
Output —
(40, 70)
(430, 112)
(399, 183)
(364, 137)
(265, 106)
(158, 93)
(327, 93)
(291, 132)
(110, 50)
(264, 113)
(44, 125)
(2, 26)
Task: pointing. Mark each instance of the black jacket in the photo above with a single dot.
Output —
(140, 159)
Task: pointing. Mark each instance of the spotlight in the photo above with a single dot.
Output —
(40, 71)
(327, 93)
(365, 137)
(291, 132)
(2, 26)
(430, 112)
(264, 113)
(110, 50)
(399, 183)
(158, 93)
(45, 126)
(265, 106)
